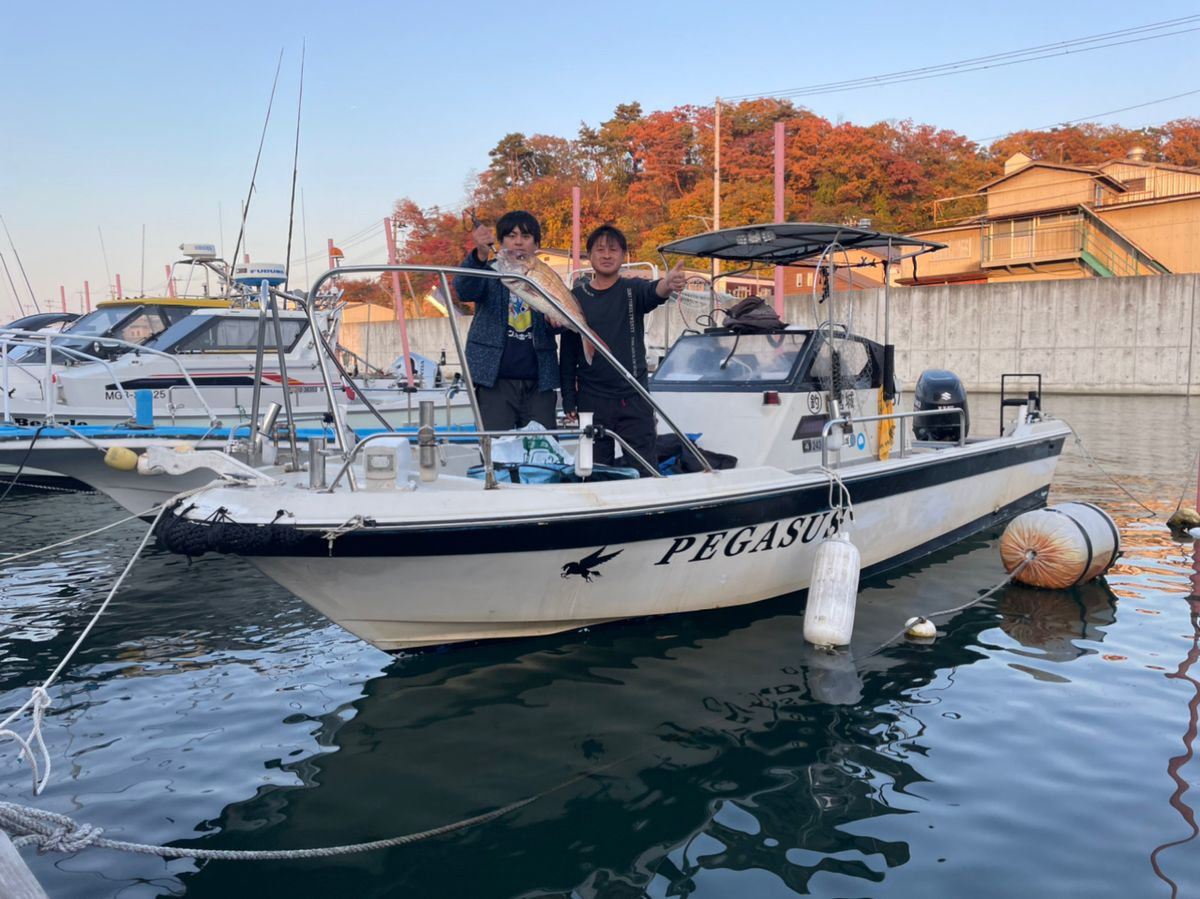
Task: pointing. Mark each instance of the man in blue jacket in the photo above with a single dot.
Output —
(511, 348)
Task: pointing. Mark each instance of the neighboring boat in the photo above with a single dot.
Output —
(37, 347)
(457, 556)
(200, 370)
(38, 321)
(77, 458)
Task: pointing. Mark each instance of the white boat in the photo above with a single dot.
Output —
(456, 557)
(198, 370)
(77, 458)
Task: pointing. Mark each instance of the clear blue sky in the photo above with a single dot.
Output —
(136, 113)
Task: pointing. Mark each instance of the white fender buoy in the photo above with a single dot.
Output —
(920, 628)
(122, 458)
(1067, 545)
(832, 592)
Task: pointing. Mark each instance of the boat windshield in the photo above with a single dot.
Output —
(226, 334)
(732, 358)
(131, 323)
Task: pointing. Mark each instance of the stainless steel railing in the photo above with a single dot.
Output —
(485, 440)
(896, 416)
(443, 272)
(13, 338)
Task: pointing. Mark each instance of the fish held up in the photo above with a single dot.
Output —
(511, 263)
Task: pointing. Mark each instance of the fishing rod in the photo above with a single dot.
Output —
(107, 270)
(20, 265)
(16, 296)
(237, 248)
(287, 263)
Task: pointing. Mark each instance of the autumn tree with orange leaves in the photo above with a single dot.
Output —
(651, 173)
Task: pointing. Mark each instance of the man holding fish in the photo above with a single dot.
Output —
(511, 348)
(615, 309)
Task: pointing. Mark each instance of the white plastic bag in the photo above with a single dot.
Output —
(535, 448)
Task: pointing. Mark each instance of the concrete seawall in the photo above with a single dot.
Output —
(1110, 335)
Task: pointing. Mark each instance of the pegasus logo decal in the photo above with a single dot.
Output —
(586, 567)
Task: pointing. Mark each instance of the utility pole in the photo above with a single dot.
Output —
(779, 163)
(717, 166)
(716, 186)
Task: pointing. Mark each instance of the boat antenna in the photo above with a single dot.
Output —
(143, 289)
(16, 296)
(237, 247)
(295, 165)
(17, 256)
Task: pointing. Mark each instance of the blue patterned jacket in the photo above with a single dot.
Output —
(489, 329)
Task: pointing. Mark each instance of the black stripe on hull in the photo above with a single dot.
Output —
(1027, 503)
(198, 380)
(190, 537)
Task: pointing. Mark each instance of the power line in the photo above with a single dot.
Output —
(1088, 118)
(995, 60)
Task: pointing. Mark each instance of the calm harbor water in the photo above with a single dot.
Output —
(1042, 746)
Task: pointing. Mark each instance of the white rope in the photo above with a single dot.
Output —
(40, 701)
(1187, 479)
(39, 698)
(1092, 461)
(350, 524)
(844, 498)
(1030, 555)
(75, 539)
(52, 831)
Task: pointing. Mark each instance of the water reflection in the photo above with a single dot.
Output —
(725, 753)
(1054, 625)
(729, 759)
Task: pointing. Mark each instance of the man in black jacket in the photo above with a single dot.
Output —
(615, 308)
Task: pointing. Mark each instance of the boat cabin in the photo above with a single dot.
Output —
(227, 331)
(764, 397)
(131, 320)
(767, 397)
(212, 349)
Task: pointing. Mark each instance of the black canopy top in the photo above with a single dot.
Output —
(788, 242)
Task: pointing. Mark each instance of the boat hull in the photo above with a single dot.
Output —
(706, 541)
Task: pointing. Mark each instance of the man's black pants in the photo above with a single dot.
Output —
(510, 404)
(630, 417)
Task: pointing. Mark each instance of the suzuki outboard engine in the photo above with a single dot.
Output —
(940, 389)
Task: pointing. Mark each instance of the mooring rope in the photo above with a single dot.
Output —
(75, 539)
(1187, 480)
(21, 467)
(1091, 459)
(39, 698)
(1030, 555)
(52, 831)
(844, 496)
(347, 526)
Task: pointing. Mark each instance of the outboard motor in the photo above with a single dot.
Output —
(940, 389)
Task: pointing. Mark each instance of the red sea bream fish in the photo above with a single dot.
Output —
(508, 262)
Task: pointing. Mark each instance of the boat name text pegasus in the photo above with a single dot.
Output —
(805, 528)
